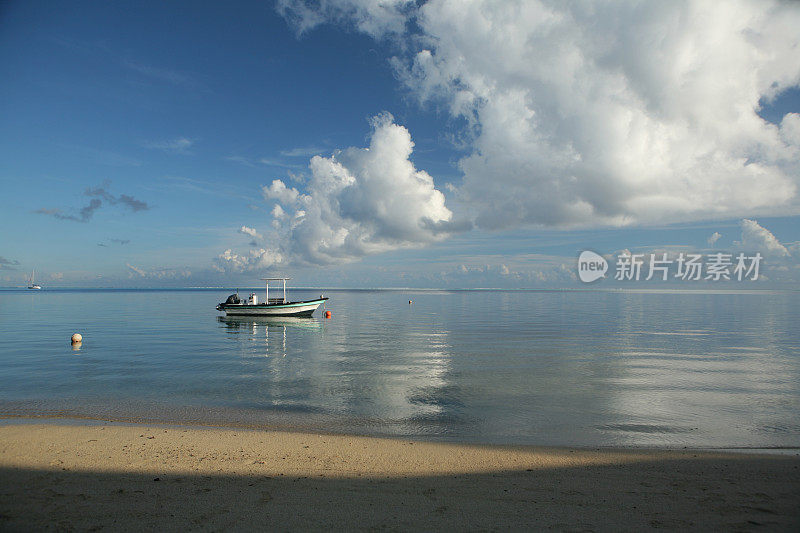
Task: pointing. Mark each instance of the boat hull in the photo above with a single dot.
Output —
(287, 309)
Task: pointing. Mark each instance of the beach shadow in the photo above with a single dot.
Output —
(690, 494)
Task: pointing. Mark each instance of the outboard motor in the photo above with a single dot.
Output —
(233, 299)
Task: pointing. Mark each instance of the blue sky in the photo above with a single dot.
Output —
(172, 119)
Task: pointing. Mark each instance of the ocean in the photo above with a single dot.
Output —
(562, 368)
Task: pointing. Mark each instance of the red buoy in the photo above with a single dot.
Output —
(327, 314)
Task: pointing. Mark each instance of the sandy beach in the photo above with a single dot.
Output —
(121, 477)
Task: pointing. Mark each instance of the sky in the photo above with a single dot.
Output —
(352, 143)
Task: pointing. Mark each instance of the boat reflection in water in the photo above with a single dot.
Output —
(268, 332)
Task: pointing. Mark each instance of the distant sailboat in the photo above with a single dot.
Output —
(31, 284)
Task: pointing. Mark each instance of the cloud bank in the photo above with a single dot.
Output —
(602, 113)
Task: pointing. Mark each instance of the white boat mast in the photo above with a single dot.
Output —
(31, 283)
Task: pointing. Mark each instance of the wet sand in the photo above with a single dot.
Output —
(91, 477)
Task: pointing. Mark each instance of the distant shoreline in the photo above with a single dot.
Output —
(708, 289)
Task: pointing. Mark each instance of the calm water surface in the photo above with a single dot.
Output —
(555, 368)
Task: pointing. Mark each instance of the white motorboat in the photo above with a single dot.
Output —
(235, 306)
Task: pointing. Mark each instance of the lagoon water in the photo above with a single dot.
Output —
(578, 368)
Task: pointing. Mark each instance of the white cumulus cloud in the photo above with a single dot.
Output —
(251, 232)
(244, 230)
(712, 240)
(361, 201)
(624, 112)
(373, 17)
(614, 112)
(256, 259)
(757, 238)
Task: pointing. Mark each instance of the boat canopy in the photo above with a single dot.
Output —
(275, 300)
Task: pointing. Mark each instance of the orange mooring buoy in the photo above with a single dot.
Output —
(327, 314)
